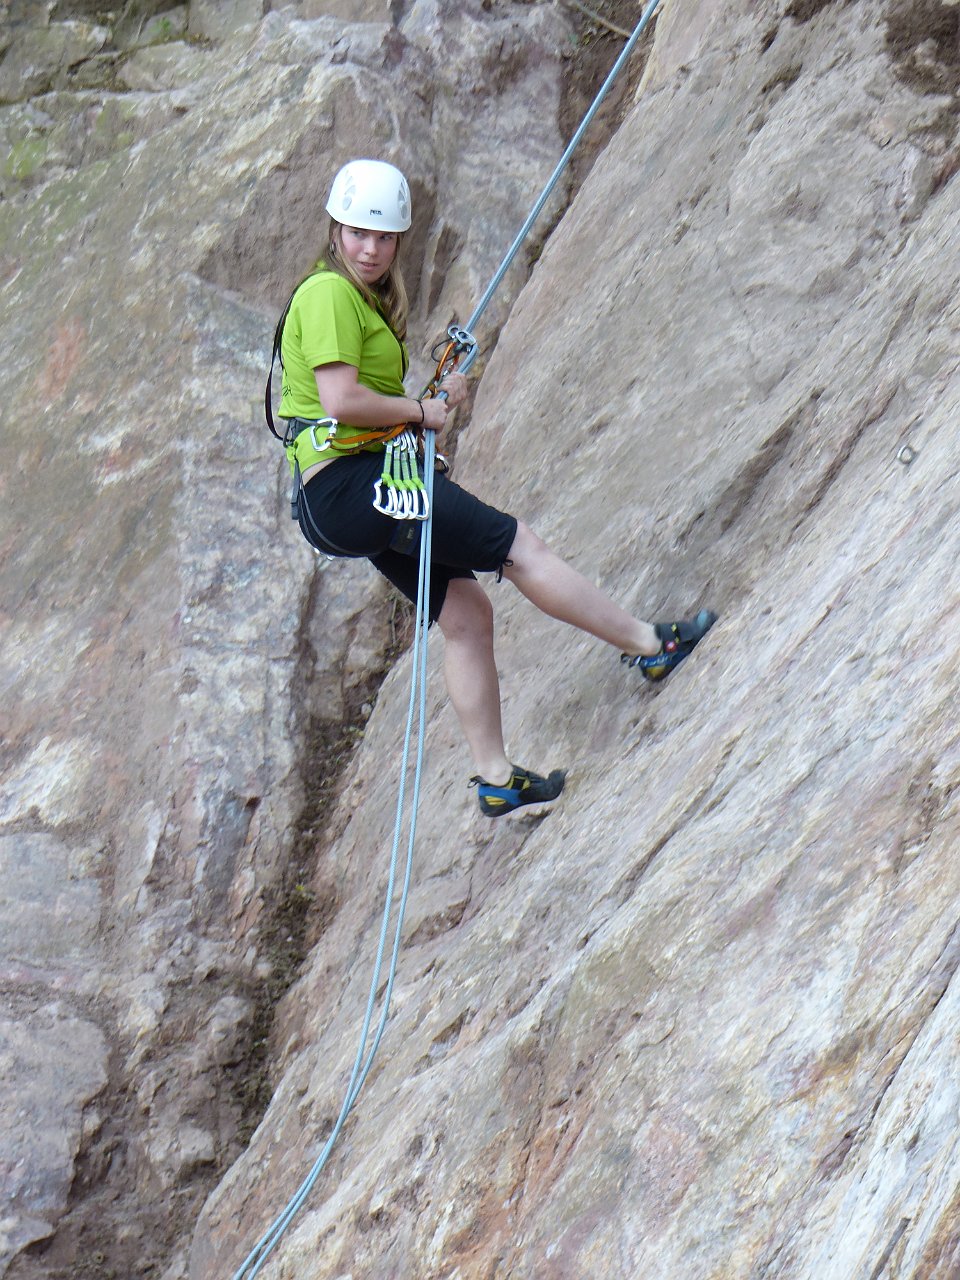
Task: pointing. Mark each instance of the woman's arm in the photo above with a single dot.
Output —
(345, 398)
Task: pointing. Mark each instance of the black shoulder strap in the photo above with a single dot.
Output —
(277, 339)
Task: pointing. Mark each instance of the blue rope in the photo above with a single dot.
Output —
(416, 712)
(554, 178)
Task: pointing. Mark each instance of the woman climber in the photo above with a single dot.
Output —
(341, 344)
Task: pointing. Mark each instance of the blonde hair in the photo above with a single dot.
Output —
(388, 295)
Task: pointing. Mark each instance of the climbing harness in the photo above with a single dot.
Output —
(400, 491)
(299, 507)
(460, 353)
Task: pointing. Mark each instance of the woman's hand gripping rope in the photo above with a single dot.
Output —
(400, 492)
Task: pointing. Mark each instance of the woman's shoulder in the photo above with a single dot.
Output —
(324, 281)
(325, 289)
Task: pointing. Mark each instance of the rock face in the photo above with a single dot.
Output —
(699, 1021)
(53, 1056)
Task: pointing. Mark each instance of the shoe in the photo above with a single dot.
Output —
(677, 640)
(523, 788)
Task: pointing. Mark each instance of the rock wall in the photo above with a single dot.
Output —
(696, 1022)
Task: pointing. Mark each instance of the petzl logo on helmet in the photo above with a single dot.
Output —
(377, 213)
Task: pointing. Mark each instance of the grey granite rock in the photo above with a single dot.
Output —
(39, 56)
(52, 1064)
(215, 19)
(697, 1020)
(53, 1058)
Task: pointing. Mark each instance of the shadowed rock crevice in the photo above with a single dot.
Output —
(807, 10)
(305, 900)
(923, 39)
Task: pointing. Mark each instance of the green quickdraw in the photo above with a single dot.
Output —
(400, 492)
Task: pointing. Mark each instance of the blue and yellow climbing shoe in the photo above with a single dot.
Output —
(523, 788)
(677, 641)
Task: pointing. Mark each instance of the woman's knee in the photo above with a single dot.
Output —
(467, 611)
(526, 547)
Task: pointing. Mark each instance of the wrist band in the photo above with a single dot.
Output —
(420, 403)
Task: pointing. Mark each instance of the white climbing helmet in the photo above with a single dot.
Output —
(370, 194)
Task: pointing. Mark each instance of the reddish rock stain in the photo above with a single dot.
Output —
(66, 351)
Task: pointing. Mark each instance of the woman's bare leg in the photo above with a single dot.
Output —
(557, 589)
(466, 621)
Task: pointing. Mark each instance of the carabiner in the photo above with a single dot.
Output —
(464, 340)
(331, 424)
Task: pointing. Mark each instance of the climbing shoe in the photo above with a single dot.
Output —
(523, 788)
(677, 641)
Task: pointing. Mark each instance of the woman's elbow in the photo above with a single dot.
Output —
(337, 395)
(335, 403)
(335, 406)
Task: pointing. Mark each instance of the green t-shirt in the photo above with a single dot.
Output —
(329, 322)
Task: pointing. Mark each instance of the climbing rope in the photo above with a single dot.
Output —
(562, 163)
(416, 715)
(408, 491)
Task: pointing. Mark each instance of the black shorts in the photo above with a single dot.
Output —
(467, 534)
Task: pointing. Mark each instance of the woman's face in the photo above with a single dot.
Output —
(369, 252)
